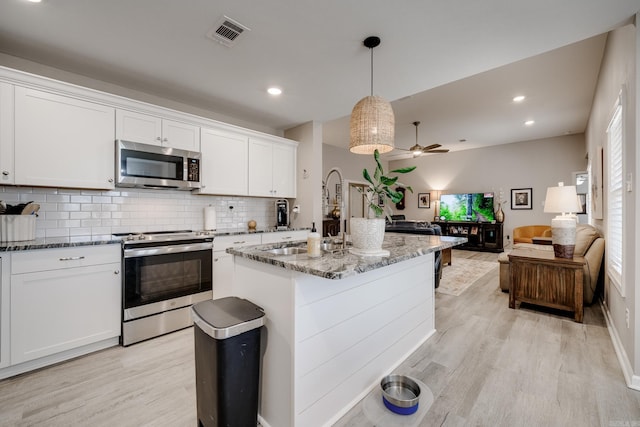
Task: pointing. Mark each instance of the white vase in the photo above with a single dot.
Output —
(367, 235)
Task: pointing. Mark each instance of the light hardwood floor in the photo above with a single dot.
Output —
(487, 365)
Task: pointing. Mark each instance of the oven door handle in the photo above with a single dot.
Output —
(170, 249)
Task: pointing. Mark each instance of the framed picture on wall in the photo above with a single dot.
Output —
(424, 200)
(583, 203)
(521, 198)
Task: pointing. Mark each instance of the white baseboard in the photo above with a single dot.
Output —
(31, 365)
(632, 380)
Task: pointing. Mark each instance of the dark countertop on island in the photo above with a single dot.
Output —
(341, 263)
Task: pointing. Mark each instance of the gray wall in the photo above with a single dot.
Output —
(533, 164)
(618, 71)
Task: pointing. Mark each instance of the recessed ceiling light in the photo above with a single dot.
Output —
(518, 98)
(34, 1)
(274, 91)
(529, 122)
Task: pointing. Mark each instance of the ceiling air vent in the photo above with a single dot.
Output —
(227, 31)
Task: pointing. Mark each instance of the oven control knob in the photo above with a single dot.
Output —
(141, 237)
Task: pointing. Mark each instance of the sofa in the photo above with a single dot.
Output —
(526, 233)
(589, 243)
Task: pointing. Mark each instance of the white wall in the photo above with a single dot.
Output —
(309, 174)
(619, 69)
(533, 164)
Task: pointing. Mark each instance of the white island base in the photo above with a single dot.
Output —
(330, 342)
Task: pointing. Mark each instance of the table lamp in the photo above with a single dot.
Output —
(435, 194)
(563, 200)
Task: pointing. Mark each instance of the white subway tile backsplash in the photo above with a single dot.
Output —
(57, 215)
(80, 199)
(69, 212)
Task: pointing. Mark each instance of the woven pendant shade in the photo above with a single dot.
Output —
(372, 126)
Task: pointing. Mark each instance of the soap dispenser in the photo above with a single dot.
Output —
(313, 243)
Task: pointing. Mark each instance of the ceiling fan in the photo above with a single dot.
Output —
(418, 150)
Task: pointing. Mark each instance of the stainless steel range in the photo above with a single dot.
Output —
(164, 274)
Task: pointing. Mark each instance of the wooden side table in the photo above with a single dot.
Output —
(538, 277)
(446, 256)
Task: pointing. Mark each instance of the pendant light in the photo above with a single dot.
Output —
(372, 125)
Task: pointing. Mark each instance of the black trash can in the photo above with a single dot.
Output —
(228, 360)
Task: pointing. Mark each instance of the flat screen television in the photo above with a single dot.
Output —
(475, 207)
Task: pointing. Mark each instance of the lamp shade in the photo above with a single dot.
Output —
(372, 126)
(562, 199)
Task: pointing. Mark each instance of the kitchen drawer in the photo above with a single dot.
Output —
(221, 243)
(60, 258)
(284, 236)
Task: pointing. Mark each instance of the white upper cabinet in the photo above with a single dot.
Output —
(272, 168)
(6, 134)
(284, 170)
(224, 163)
(62, 141)
(138, 127)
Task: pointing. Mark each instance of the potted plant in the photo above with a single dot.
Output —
(367, 234)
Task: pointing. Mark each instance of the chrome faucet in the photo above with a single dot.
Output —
(343, 236)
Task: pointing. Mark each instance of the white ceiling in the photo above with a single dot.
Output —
(313, 50)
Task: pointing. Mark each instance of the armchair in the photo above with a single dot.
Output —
(525, 234)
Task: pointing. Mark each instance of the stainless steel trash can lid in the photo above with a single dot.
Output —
(227, 317)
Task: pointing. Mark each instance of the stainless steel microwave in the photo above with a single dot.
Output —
(150, 166)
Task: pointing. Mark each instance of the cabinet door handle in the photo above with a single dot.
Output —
(286, 238)
(216, 259)
(116, 272)
(5, 173)
(71, 258)
(110, 180)
(239, 243)
(158, 138)
(165, 139)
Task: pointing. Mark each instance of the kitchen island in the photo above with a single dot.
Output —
(337, 324)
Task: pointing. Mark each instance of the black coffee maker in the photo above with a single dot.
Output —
(282, 214)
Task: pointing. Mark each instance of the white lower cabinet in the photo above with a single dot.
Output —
(223, 267)
(62, 299)
(4, 310)
(223, 262)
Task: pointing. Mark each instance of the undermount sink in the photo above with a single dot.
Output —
(291, 250)
(330, 246)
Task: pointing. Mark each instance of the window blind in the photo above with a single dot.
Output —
(615, 196)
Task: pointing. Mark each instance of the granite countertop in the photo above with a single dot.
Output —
(59, 242)
(108, 239)
(235, 231)
(341, 263)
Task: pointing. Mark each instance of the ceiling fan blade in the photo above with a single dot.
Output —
(430, 147)
(442, 150)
